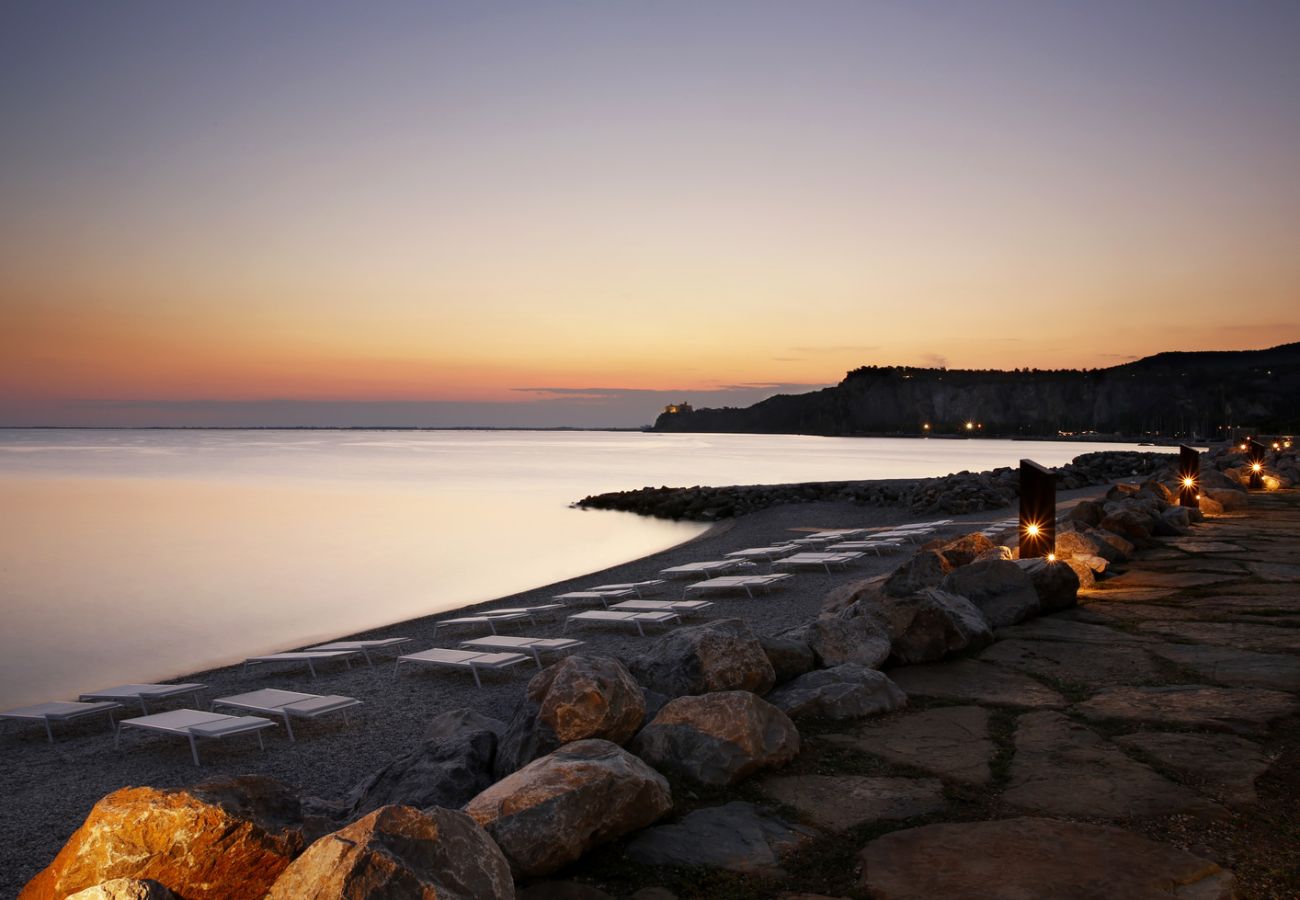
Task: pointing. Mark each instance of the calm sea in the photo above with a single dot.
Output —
(138, 555)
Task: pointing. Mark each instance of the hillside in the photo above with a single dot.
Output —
(1169, 395)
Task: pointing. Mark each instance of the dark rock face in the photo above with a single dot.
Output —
(1056, 583)
(964, 550)
(578, 697)
(452, 765)
(926, 569)
(723, 655)
(932, 624)
(998, 588)
(737, 836)
(858, 634)
(397, 852)
(718, 739)
(844, 692)
(789, 657)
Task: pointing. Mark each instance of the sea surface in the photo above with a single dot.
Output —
(140, 555)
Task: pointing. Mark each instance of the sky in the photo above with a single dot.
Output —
(572, 213)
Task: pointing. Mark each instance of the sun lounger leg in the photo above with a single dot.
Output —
(474, 670)
(49, 732)
(261, 743)
(194, 750)
(311, 668)
(639, 629)
(537, 657)
(492, 626)
(366, 653)
(288, 727)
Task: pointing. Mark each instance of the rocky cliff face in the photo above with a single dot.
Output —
(1168, 394)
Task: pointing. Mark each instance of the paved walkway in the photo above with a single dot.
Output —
(1144, 744)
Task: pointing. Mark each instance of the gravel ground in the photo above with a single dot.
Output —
(48, 789)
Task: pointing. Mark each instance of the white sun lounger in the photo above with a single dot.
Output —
(594, 596)
(878, 546)
(288, 704)
(912, 534)
(746, 583)
(712, 567)
(535, 646)
(533, 613)
(636, 618)
(815, 560)
(194, 724)
(641, 587)
(682, 607)
(489, 621)
(776, 551)
(60, 711)
(141, 693)
(310, 657)
(364, 646)
(461, 659)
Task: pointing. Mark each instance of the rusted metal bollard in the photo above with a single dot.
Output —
(1189, 476)
(1255, 453)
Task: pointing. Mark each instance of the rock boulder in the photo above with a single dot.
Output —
(125, 889)
(1055, 583)
(718, 739)
(238, 835)
(450, 766)
(789, 657)
(926, 569)
(932, 624)
(1000, 590)
(722, 655)
(843, 692)
(558, 807)
(577, 698)
(858, 634)
(397, 852)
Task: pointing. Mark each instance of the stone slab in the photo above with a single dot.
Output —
(1172, 580)
(1221, 766)
(951, 742)
(1273, 571)
(1018, 859)
(1228, 665)
(737, 836)
(972, 681)
(1086, 664)
(1143, 612)
(1126, 595)
(1246, 711)
(1200, 545)
(1052, 628)
(1230, 634)
(1064, 768)
(840, 802)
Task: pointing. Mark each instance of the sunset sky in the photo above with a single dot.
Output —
(547, 213)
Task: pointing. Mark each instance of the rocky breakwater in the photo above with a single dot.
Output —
(962, 492)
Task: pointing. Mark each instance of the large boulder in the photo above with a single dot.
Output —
(451, 765)
(1056, 583)
(1087, 512)
(789, 656)
(723, 655)
(1112, 547)
(1128, 523)
(1082, 571)
(932, 624)
(1070, 544)
(718, 739)
(578, 697)
(999, 589)
(558, 807)
(1229, 498)
(237, 834)
(125, 889)
(843, 692)
(926, 569)
(964, 550)
(858, 634)
(1174, 521)
(398, 852)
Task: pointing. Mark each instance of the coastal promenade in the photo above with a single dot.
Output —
(1141, 743)
(1145, 743)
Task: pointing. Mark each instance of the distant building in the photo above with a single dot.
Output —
(673, 408)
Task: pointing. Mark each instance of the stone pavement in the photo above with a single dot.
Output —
(1140, 745)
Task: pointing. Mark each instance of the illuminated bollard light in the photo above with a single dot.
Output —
(1255, 453)
(1037, 511)
(1189, 473)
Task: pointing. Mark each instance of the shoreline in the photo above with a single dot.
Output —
(50, 788)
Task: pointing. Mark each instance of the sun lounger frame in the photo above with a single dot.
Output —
(197, 730)
(61, 711)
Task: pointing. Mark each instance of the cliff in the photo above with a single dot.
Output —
(1176, 394)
